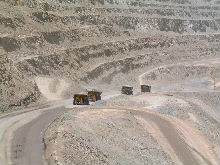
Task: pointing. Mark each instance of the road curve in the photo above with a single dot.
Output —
(178, 138)
(21, 140)
(182, 152)
(21, 135)
(27, 145)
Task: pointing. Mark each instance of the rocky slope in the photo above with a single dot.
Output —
(15, 89)
(106, 41)
(156, 128)
(54, 48)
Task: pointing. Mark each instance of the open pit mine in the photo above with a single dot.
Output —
(106, 82)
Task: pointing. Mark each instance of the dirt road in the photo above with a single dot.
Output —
(173, 133)
(27, 145)
(21, 140)
(97, 126)
(182, 151)
(20, 135)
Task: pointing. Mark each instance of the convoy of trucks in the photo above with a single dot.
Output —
(95, 95)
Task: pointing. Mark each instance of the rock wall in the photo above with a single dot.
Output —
(106, 41)
(15, 89)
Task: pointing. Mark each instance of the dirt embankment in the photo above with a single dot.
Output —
(111, 42)
(133, 135)
(11, 83)
(174, 128)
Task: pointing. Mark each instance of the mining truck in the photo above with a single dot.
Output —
(127, 90)
(80, 99)
(94, 95)
(145, 88)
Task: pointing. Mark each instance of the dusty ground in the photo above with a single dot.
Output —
(22, 131)
(94, 42)
(142, 129)
(51, 49)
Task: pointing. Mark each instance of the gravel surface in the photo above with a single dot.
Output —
(115, 136)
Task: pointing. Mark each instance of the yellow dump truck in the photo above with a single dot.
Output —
(145, 88)
(127, 90)
(94, 95)
(80, 99)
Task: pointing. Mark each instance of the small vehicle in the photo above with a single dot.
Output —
(80, 99)
(127, 90)
(145, 88)
(94, 95)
